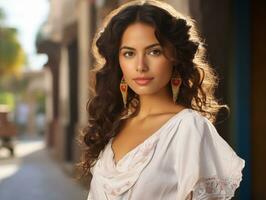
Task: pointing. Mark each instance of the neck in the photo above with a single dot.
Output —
(154, 103)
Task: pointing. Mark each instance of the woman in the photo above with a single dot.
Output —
(150, 134)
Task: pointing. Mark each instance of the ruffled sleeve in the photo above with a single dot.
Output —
(212, 170)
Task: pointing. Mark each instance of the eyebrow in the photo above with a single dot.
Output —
(148, 47)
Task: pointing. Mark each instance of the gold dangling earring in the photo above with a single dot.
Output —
(123, 89)
(175, 83)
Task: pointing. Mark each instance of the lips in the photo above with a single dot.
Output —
(143, 80)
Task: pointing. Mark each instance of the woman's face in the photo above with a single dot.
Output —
(145, 67)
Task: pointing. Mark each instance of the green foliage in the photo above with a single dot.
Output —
(8, 99)
(12, 56)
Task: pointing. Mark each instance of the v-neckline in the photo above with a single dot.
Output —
(147, 139)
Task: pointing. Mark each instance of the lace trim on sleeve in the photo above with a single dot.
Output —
(216, 188)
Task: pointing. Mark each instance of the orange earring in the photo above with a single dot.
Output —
(175, 84)
(123, 90)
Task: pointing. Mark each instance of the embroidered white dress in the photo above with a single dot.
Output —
(185, 156)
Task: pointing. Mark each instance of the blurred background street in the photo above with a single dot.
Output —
(45, 60)
(33, 174)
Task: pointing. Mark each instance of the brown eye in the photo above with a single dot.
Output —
(128, 54)
(155, 52)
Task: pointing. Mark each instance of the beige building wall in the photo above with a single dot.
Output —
(63, 119)
(63, 84)
(84, 60)
(48, 91)
(84, 57)
(180, 5)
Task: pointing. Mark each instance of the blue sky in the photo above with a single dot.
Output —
(27, 16)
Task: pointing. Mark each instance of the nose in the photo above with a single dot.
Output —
(142, 64)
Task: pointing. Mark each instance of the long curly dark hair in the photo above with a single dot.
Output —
(105, 107)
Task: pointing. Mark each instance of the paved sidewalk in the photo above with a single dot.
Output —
(33, 175)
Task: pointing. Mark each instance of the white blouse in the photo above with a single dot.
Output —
(185, 159)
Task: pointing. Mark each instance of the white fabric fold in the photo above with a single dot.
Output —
(117, 179)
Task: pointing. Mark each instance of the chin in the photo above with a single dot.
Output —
(145, 91)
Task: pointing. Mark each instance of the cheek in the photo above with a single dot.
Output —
(124, 67)
(127, 66)
(122, 62)
(164, 70)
